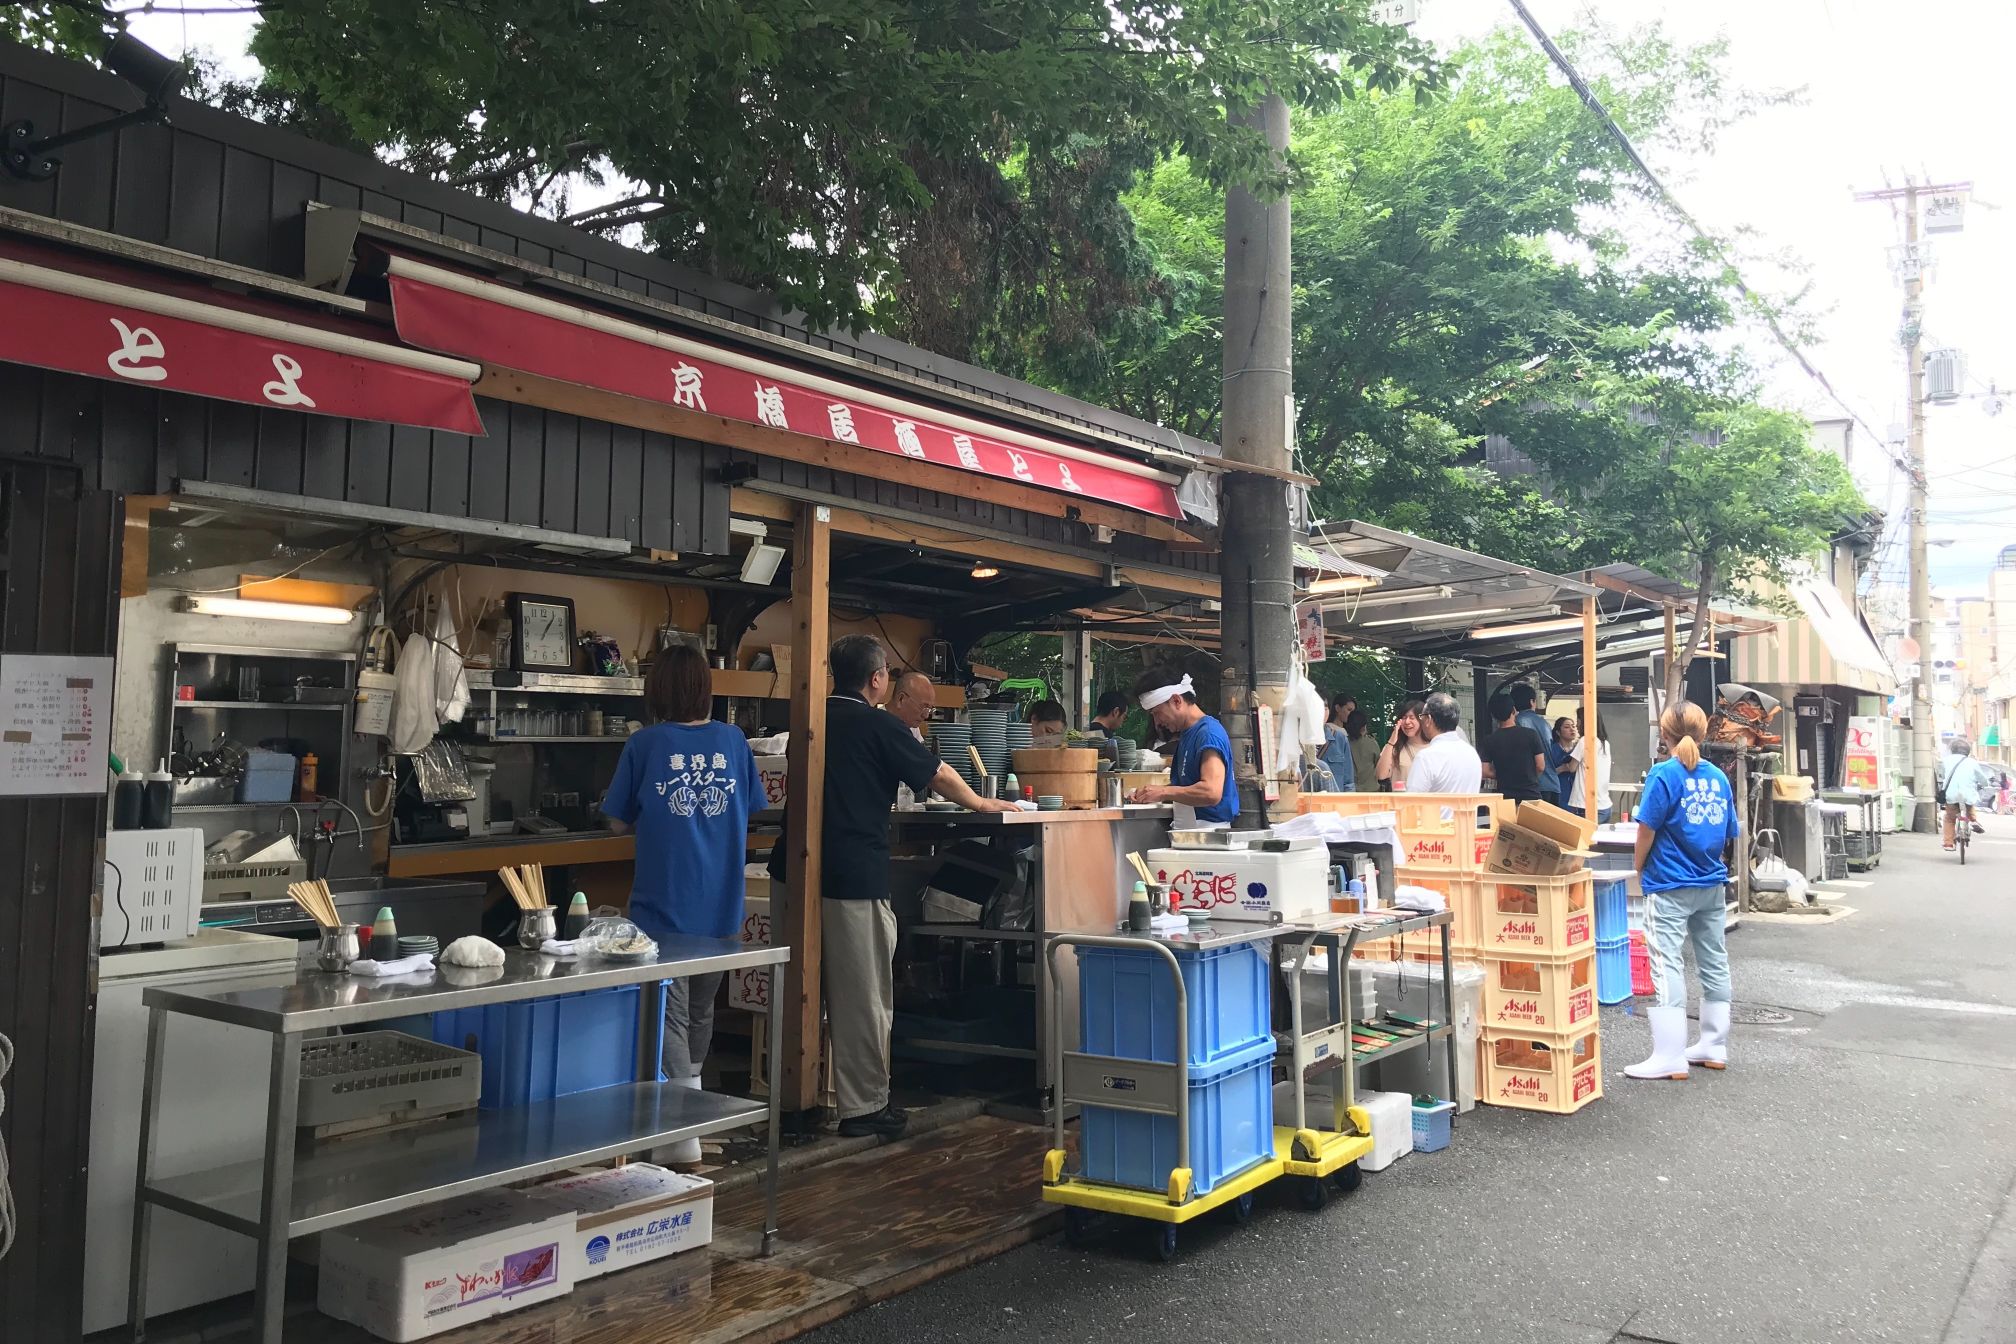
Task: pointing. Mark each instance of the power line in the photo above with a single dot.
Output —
(1702, 235)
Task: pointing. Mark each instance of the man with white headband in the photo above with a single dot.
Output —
(1200, 776)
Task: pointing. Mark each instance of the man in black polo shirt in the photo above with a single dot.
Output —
(1513, 755)
(868, 753)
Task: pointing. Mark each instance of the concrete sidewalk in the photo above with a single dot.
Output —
(1849, 1178)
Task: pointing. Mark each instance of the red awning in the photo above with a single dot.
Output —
(101, 328)
(507, 328)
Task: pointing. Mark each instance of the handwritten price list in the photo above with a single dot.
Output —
(55, 716)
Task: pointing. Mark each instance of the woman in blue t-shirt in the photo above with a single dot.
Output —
(686, 786)
(1686, 820)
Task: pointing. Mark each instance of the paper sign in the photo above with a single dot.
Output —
(55, 722)
(1311, 626)
(1860, 764)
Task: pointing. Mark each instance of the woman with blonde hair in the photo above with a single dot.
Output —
(1686, 821)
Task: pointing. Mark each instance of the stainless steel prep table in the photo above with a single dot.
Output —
(331, 1185)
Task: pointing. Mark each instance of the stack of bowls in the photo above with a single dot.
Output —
(419, 944)
(1130, 754)
(950, 741)
(1049, 802)
(990, 734)
(1018, 738)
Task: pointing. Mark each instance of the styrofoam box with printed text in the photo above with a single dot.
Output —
(632, 1214)
(414, 1274)
(749, 987)
(1243, 884)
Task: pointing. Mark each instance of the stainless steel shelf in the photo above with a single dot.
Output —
(348, 1180)
(286, 706)
(975, 932)
(242, 651)
(558, 683)
(508, 741)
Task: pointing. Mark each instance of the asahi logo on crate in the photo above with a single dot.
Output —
(1519, 1010)
(1525, 1089)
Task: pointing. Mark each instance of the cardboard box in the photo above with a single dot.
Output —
(749, 988)
(632, 1215)
(411, 1275)
(1543, 841)
(773, 770)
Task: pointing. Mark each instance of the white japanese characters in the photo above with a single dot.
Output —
(136, 344)
(686, 389)
(1020, 465)
(286, 389)
(841, 417)
(1064, 479)
(697, 784)
(770, 406)
(906, 438)
(963, 445)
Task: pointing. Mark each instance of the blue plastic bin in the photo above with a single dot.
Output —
(1431, 1126)
(1231, 1128)
(1613, 905)
(1127, 1004)
(545, 1048)
(1613, 969)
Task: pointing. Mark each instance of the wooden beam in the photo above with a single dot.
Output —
(133, 548)
(596, 404)
(1672, 652)
(797, 924)
(949, 540)
(1590, 726)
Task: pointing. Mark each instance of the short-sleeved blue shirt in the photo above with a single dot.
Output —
(1694, 812)
(1550, 778)
(1206, 735)
(688, 790)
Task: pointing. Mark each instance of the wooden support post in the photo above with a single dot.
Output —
(1672, 652)
(800, 999)
(1589, 710)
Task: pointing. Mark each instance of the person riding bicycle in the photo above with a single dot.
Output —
(1962, 782)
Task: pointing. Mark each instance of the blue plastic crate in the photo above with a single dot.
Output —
(1231, 1128)
(1613, 969)
(1432, 1126)
(554, 1047)
(1613, 905)
(1127, 1003)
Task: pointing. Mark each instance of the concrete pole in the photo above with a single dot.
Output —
(1923, 740)
(1258, 622)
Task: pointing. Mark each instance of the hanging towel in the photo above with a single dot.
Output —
(451, 682)
(413, 721)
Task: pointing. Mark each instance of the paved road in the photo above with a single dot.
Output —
(1848, 1179)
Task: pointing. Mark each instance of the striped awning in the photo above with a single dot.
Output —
(1825, 645)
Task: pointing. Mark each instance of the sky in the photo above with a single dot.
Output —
(1886, 94)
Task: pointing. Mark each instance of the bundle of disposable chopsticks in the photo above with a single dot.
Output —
(314, 897)
(527, 884)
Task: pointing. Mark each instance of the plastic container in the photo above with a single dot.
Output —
(1432, 1127)
(157, 799)
(1641, 965)
(1417, 991)
(1613, 970)
(1392, 1116)
(128, 801)
(1536, 916)
(1539, 994)
(1231, 1128)
(1127, 1004)
(1531, 1072)
(1613, 904)
(1245, 884)
(1447, 831)
(554, 1047)
(269, 777)
(382, 1072)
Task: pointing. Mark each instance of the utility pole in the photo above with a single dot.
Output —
(1257, 577)
(1924, 744)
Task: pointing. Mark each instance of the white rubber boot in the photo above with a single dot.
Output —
(1711, 1051)
(1669, 1046)
(686, 1152)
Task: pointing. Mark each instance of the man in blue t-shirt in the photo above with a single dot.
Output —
(1200, 775)
(1526, 700)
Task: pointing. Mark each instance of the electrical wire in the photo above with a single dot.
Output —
(119, 900)
(6, 1188)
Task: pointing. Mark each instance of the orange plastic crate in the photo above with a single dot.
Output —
(1538, 1072)
(1539, 995)
(1442, 831)
(1461, 892)
(1523, 917)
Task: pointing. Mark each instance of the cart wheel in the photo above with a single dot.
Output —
(1242, 1208)
(1077, 1226)
(1313, 1192)
(1348, 1177)
(1165, 1243)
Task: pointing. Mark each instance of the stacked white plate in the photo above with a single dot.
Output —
(950, 741)
(990, 734)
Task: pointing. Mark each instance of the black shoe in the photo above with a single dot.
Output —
(887, 1123)
(1977, 828)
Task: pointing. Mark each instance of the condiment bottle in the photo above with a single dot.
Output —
(577, 917)
(157, 803)
(305, 780)
(1139, 917)
(128, 801)
(1009, 788)
(385, 936)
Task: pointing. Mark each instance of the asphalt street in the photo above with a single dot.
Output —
(1848, 1178)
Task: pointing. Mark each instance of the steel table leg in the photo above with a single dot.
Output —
(776, 1028)
(150, 1101)
(276, 1196)
(1448, 1018)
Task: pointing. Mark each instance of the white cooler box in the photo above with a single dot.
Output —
(1246, 884)
(632, 1215)
(410, 1275)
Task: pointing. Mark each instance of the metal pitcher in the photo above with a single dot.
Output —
(536, 926)
(337, 948)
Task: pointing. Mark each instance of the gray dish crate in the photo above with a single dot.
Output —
(374, 1073)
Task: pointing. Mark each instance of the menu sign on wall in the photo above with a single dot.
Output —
(55, 721)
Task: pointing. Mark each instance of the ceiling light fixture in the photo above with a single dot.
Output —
(759, 566)
(253, 609)
(1437, 617)
(1526, 628)
(986, 572)
(1342, 583)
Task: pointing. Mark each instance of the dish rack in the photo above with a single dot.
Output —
(380, 1073)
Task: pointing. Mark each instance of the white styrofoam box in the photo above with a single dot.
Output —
(1242, 884)
(771, 770)
(749, 987)
(1392, 1115)
(410, 1275)
(628, 1215)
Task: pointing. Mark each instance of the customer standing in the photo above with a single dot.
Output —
(868, 753)
(1526, 700)
(1447, 763)
(1336, 756)
(1578, 777)
(1686, 820)
(1364, 751)
(1397, 758)
(1512, 755)
(686, 785)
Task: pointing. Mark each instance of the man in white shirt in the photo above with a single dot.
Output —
(1447, 764)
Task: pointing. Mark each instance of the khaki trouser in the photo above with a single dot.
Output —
(858, 939)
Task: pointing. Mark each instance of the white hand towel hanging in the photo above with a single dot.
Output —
(451, 682)
(413, 721)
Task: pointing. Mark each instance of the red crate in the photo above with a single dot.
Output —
(1641, 965)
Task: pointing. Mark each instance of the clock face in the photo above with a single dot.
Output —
(545, 635)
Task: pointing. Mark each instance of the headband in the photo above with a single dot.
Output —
(1150, 699)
